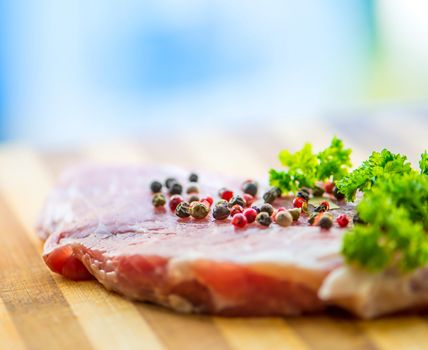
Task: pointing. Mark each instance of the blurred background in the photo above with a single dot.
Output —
(78, 71)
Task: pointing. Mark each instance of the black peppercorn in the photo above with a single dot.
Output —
(183, 210)
(237, 200)
(250, 188)
(277, 191)
(318, 191)
(303, 194)
(193, 177)
(312, 218)
(158, 200)
(320, 208)
(267, 208)
(326, 222)
(339, 196)
(270, 196)
(256, 208)
(192, 189)
(221, 212)
(357, 220)
(156, 186)
(193, 198)
(175, 188)
(263, 219)
(169, 181)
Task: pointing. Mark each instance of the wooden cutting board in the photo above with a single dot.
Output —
(40, 310)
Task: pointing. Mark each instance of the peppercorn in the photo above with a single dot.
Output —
(256, 208)
(263, 218)
(193, 177)
(305, 207)
(199, 210)
(250, 214)
(280, 209)
(269, 196)
(222, 202)
(317, 191)
(239, 220)
(303, 194)
(339, 195)
(267, 208)
(183, 210)
(325, 222)
(175, 188)
(156, 186)
(221, 212)
(225, 193)
(328, 186)
(192, 189)
(193, 198)
(324, 206)
(250, 187)
(342, 220)
(248, 198)
(236, 209)
(277, 191)
(209, 200)
(158, 200)
(298, 201)
(237, 200)
(283, 218)
(169, 181)
(295, 213)
(174, 201)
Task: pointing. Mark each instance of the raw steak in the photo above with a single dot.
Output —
(99, 222)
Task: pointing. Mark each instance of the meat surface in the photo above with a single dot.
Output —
(99, 222)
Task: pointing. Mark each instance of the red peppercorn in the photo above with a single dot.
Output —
(342, 220)
(280, 209)
(174, 201)
(326, 205)
(329, 186)
(250, 214)
(298, 202)
(236, 209)
(239, 220)
(208, 199)
(226, 194)
(249, 199)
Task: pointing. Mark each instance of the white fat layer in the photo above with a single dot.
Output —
(373, 294)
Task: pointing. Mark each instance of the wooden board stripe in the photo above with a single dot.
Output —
(9, 336)
(25, 196)
(36, 306)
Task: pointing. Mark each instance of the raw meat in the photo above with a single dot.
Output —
(99, 221)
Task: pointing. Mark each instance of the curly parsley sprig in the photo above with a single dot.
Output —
(304, 168)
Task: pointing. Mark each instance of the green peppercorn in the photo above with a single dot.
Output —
(199, 210)
(250, 187)
(169, 181)
(222, 202)
(283, 218)
(175, 188)
(237, 200)
(339, 196)
(267, 208)
(183, 210)
(193, 198)
(295, 213)
(155, 186)
(303, 194)
(192, 189)
(158, 200)
(193, 177)
(317, 191)
(325, 222)
(221, 212)
(263, 219)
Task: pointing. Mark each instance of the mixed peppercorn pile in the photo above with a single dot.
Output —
(240, 208)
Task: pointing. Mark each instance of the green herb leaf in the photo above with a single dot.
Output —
(334, 161)
(423, 163)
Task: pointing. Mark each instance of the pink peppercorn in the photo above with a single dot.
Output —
(250, 214)
(208, 199)
(249, 199)
(328, 187)
(236, 209)
(342, 220)
(239, 220)
(298, 202)
(226, 194)
(174, 201)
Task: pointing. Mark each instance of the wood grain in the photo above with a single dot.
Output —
(40, 310)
